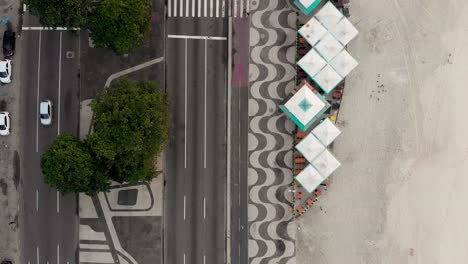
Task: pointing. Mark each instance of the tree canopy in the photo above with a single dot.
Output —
(131, 127)
(69, 167)
(63, 13)
(120, 25)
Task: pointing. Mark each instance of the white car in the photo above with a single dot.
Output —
(4, 123)
(45, 112)
(5, 71)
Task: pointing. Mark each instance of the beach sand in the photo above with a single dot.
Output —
(401, 194)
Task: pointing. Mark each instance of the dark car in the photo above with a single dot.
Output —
(6, 262)
(9, 41)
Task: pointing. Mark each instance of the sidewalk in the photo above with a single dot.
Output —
(9, 156)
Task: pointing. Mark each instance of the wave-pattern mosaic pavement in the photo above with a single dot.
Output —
(272, 71)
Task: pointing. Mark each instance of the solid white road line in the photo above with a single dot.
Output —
(193, 8)
(185, 118)
(59, 84)
(204, 132)
(247, 6)
(228, 147)
(184, 258)
(185, 203)
(204, 259)
(196, 37)
(187, 7)
(58, 254)
(37, 200)
(38, 80)
(169, 8)
(48, 28)
(37, 254)
(235, 8)
(211, 8)
(241, 11)
(205, 8)
(181, 7)
(58, 202)
(217, 8)
(199, 7)
(175, 7)
(204, 207)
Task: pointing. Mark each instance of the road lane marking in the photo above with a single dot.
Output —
(204, 259)
(199, 7)
(175, 8)
(204, 207)
(37, 200)
(217, 8)
(196, 37)
(58, 254)
(37, 254)
(38, 81)
(235, 8)
(59, 84)
(185, 118)
(204, 135)
(247, 6)
(241, 8)
(48, 28)
(184, 205)
(205, 6)
(228, 147)
(184, 258)
(193, 8)
(181, 7)
(211, 8)
(58, 203)
(187, 7)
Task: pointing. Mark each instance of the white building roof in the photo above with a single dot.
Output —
(344, 31)
(343, 63)
(327, 79)
(326, 132)
(312, 63)
(325, 163)
(329, 15)
(328, 47)
(310, 147)
(305, 105)
(309, 178)
(312, 31)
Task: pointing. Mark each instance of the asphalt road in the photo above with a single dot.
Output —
(48, 70)
(196, 160)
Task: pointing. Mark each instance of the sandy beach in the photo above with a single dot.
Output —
(401, 194)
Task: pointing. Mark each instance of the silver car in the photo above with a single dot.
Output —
(5, 71)
(45, 112)
(4, 123)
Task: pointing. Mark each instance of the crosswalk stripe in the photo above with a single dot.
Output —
(208, 8)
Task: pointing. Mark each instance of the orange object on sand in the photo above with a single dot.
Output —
(300, 209)
(309, 201)
(299, 195)
(325, 182)
(300, 160)
(298, 171)
(300, 135)
(317, 193)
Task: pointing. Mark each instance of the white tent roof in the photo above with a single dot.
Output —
(344, 31)
(328, 47)
(343, 63)
(304, 105)
(312, 63)
(327, 79)
(325, 163)
(309, 178)
(310, 147)
(329, 15)
(313, 31)
(326, 132)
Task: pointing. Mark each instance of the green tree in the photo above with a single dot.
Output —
(131, 127)
(69, 167)
(120, 25)
(63, 13)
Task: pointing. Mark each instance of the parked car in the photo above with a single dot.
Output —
(9, 43)
(6, 262)
(5, 71)
(45, 112)
(4, 123)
